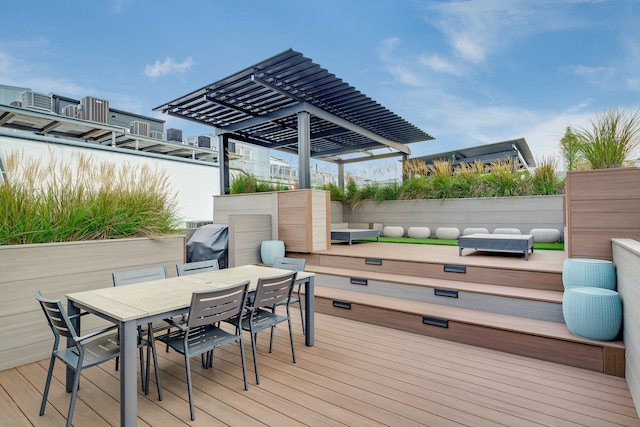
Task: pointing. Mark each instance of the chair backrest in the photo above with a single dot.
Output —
(212, 306)
(272, 290)
(295, 264)
(197, 267)
(57, 318)
(139, 276)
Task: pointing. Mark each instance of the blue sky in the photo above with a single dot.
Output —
(466, 72)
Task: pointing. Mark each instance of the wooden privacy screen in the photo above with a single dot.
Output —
(601, 205)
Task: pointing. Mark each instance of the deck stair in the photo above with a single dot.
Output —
(518, 311)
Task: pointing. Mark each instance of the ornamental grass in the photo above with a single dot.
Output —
(83, 199)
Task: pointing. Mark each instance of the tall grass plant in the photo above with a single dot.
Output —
(82, 199)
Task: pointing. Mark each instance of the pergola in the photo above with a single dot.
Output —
(289, 103)
(515, 149)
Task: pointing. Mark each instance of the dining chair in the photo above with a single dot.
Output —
(202, 333)
(122, 278)
(260, 313)
(295, 264)
(197, 267)
(88, 350)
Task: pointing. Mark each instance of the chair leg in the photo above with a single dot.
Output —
(244, 364)
(152, 345)
(189, 387)
(47, 384)
(293, 352)
(255, 356)
(271, 339)
(74, 393)
(304, 331)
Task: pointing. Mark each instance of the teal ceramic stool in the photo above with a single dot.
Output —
(593, 313)
(598, 273)
(270, 250)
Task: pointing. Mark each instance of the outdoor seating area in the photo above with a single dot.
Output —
(186, 310)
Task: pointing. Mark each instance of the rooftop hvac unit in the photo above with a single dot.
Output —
(37, 100)
(204, 141)
(70, 111)
(139, 128)
(16, 104)
(174, 135)
(94, 109)
(157, 135)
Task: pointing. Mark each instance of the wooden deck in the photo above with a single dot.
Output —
(356, 374)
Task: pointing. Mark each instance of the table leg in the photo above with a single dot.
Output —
(72, 310)
(128, 375)
(309, 311)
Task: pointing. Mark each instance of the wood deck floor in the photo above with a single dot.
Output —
(356, 374)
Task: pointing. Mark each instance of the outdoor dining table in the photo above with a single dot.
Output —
(141, 303)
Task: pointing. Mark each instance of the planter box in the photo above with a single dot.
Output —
(301, 218)
(60, 268)
(601, 205)
(524, 213)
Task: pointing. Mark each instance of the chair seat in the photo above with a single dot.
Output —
(201, 339)
(262, 319)
(95, 352)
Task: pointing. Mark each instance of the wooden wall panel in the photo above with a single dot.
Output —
(246, 233)
(60, 268)
(601, 205)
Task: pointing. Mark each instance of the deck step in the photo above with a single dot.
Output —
(539, 339)
(530, 303)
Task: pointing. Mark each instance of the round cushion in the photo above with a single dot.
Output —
(393, 231)
(474, 230)
(592, 313)
(419, 232)
(270, 250)
(598, 273)
(447, 233)
(507, 231)
(545, 235)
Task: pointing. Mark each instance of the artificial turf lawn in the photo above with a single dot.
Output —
(543, 246)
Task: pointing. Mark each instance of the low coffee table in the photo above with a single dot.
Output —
(497, 242)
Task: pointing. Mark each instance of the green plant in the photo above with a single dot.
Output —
(82, 199)
(336, 193)
(610, 139)
(245, 182)
(570, 147)
(545, 180)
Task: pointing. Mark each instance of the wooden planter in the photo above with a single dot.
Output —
(601, 205)
(60, 268)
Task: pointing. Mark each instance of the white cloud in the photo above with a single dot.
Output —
(594, 75)
(439, 64)
(168, 66)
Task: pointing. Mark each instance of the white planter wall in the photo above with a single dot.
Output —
(195, 182)
(524, 213)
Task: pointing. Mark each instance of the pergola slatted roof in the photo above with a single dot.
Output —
(261, 104)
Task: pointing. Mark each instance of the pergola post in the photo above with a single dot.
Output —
(341, 175)
(304, 150)
(405, 174)
(223, 163)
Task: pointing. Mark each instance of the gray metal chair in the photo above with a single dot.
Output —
(197, 267)
(295, 264)
(122, 278)
(202, 334)
(88, 350)
(261, 314)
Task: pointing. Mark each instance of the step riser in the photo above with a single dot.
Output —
(550, 281)
(580, 355)
(540, 310)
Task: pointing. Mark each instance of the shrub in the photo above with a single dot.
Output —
(82, 200)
